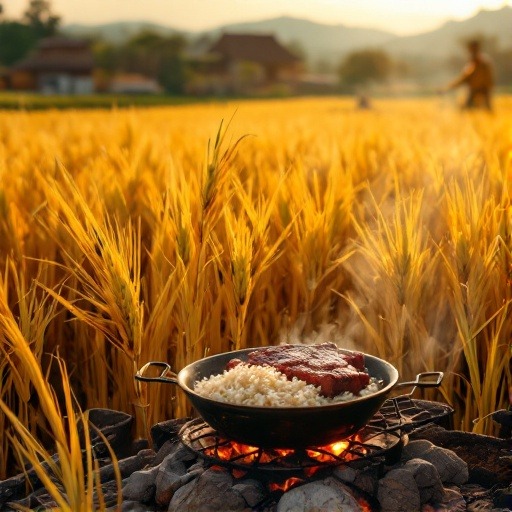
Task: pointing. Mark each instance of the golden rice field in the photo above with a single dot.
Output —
(136, 235)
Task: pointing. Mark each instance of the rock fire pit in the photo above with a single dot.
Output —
(437, 470)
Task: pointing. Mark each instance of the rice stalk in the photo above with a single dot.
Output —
(106, 269)
(318, 169)
(196, 301)
(476, 266)
(34, 313)
(63, 424)
(393, 270)
(321, 203)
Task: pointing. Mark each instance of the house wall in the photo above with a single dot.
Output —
(23, 81)
(83, 85)
(250, 77)
(131, 86)
(288, 73)
(201, 84)
(64, 83)
(244, 75)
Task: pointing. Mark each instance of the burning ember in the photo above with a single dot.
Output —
(338, 449)
(236, 455)
(301, 462)
(286, 485)
(233, 452)
(279, 471)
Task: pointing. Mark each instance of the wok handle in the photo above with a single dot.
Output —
(424, 380)
(167, 375)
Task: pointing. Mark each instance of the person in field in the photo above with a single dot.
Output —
(477, 76)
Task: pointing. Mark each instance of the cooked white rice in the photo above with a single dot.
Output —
(264, 386)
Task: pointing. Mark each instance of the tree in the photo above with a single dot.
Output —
(40, 18)
(150, 54)
(297, 48)
(21, 40)
(17, 38)
(173, 71)
(364, 67)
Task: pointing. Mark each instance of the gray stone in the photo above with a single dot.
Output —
(367, 480)
(324, 496)
(12, 489)
(416, 449)
(398, 492)
(161, 432)
(483, 505)
(451, 468)
(172, 475)
(345, 473)
(140, 445)
(131, 506)
(168, 479)
(427, 479)
(451, 500)
(252, 491)
(127, 466)
(454, 501)
(172, 465)
(175, 450)
(116, 428)
(199, 465)
(109, 495)
(212, 490)
(38, 500)
(164, 450)
(15, 487)
(140, 485)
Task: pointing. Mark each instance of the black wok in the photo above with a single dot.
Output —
(284, 427)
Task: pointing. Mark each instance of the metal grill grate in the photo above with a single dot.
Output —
(382, 436)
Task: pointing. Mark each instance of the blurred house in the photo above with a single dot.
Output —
(133, 83)
(318, 83)
(245, 63)
(58, 65)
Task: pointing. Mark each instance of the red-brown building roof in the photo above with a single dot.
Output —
(59, 54)
(263, 49)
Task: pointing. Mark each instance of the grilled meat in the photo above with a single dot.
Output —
(324, 365)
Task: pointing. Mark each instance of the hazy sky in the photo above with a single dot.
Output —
(399, 16)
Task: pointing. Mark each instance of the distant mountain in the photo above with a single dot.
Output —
(446, 40)
(331, 43)
(318, 41)
(118, 32)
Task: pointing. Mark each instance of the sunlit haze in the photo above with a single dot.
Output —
(400, 16)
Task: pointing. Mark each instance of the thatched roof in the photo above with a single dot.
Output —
(263, 49)
(58, 54)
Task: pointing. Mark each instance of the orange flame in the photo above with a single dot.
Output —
(309, 472)
(335, 449)
(286, 485)
(229, 451)
(246, 454)
(283, 453)
(238, 473)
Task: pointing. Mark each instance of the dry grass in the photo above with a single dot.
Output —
(71, 482)
(125, 237)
